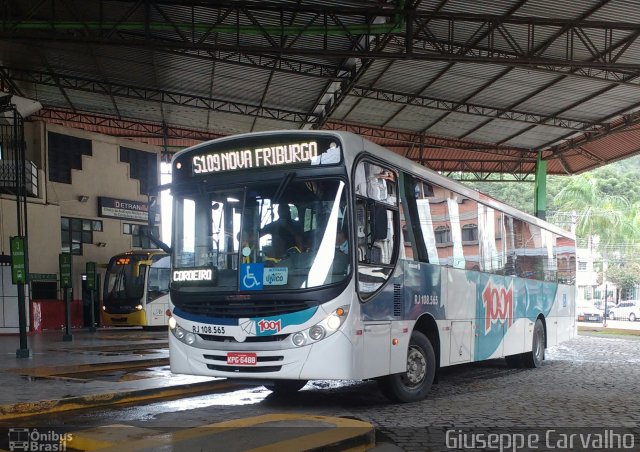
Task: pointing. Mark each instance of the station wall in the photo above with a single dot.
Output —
(106, 171)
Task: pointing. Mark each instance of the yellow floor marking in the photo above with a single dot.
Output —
(45, 371)
(56, 406)
(342, 429)
(316, 440)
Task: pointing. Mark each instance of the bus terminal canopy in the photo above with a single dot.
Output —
(473, 86)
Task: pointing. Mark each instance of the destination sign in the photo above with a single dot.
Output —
(308, 152)
(202, 274)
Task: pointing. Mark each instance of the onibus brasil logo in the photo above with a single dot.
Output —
(27, 439)
(498, 305)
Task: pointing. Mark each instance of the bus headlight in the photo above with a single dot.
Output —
(316, 332)
(321, 330)
(298, 339)
(139, 307)
(333, 322)
(172, 323)
(190, 338)
(179, 332)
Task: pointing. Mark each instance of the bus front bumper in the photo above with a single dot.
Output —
(331, 358)
(137, 318)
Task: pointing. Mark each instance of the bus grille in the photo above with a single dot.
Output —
(244, 369)
(115, 309)
(240, 309)
(272, 338)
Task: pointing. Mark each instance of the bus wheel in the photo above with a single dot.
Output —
(415, 383)
(535, 357)
(285, 387)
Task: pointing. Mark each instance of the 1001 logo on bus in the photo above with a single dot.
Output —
(498, 305)
(269, 325)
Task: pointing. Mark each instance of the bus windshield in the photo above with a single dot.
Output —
(273, 236)
(125, 278)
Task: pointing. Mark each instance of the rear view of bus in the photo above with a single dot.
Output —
(136, 289)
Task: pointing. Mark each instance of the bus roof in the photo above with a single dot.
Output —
(355, 145)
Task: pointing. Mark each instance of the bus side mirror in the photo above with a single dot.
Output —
(153, 211)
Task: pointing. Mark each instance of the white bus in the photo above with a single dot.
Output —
(432, 274)
(136, 289)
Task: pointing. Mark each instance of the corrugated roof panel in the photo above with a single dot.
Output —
(558, 49)
(370, 111)
(477, 6)
(185, 116)
(536, 137)
(132, 108)
(179, 73)
(246, 85)
(555, 9)
(463, 32)
(517, 84)
(414, 118)
(227, 123)
(620, 98)
(617, 145)
(374, 72)
(462, 80)
(409, 76)
(71, 58)
(561, 95)
(497, 130)
(95, 102)
(294, 92)
(344, 107)
(620, 11)
(127, 66)
(455, 125)
(48, 96)
(263, 124)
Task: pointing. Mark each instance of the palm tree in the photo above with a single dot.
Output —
(597, 214)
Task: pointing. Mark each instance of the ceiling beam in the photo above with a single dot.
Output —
(468, 108)
(406, 138)
(206, 102)
(329, 34)
(119, 127)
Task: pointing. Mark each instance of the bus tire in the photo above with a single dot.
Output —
(535, 357)
(285, 387)
(414, 384)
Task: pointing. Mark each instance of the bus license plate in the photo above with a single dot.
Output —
(242, 359)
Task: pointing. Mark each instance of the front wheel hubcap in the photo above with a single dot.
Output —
(416, 366)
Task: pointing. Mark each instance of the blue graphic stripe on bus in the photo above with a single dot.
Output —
(204, 319)
(266, 326)
(500, 301)
(259, 326)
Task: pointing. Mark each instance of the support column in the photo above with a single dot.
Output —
(540, 208)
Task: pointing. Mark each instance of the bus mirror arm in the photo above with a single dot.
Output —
(153, 212)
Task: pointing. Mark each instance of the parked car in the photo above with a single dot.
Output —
(628, 309)
(587, 312)
(600, 305)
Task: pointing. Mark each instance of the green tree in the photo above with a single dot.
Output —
(596, 213)
(625, 276)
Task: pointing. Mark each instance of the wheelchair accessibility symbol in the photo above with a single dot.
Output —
(251, 276)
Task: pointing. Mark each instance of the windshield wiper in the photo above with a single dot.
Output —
(275, 199)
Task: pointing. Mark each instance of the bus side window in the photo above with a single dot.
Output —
(376, 225)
